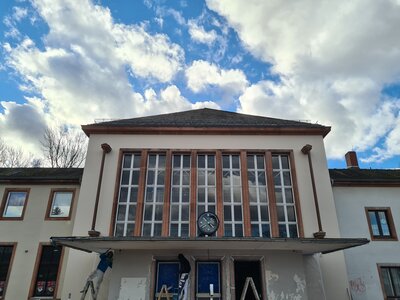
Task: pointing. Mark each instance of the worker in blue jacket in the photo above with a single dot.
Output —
(106, 260)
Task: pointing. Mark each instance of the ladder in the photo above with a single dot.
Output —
(86, 288)
(164, 293)
(249, 280)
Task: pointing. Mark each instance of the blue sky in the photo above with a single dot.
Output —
(67, 62)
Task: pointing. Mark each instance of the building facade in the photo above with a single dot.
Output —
(367, 205)
(36, 204)
(153, 186)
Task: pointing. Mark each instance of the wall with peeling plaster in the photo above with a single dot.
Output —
(364, 281)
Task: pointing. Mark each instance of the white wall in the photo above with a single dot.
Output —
(335, 287)
(29, 233)
(362, 261)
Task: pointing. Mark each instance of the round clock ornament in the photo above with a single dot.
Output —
(207, 223)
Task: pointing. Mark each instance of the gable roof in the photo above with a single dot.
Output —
(41, 175)
(206, 121)
(365, 177)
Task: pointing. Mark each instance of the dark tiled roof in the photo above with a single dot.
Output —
(39, 175)
(206, 117)
(353, 176)
(205, 121)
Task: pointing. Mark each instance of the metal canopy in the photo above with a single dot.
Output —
(300, 245)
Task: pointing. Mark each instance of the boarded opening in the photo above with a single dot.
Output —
(244, 269)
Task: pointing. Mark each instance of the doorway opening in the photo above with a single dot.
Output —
(243, 270)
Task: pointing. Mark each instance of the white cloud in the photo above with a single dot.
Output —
(202, 74)
(333, 59)
(83, 71)
(199, 34)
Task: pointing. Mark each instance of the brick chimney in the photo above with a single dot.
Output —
(351, 160)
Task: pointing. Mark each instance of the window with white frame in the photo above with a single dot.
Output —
(208, 280)
(180, 195)
(128, 194)
(154, 195)
(285, 206)
(167, 276)
(232, 195)
(258, 199)
(206, 184)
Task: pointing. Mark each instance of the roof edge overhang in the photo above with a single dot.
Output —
(98, 129)
(365, 183)
(299, 245)
(36, 181)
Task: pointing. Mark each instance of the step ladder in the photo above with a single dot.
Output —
(89, 284)
(164, 294)
(249, 281)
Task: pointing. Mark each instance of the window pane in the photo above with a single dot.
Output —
(46, 276)
(210, 178)
(293, 231)
(135, 177)
(201, 161)
(15, 204)
(167, 274)
(282, 231)
(253, 213)
(285, 162)
(119, 229)
(130, 229)
(291, 214)
(374, 223)
(210, 161)
(227, 213)
(281, 213)
(123, 195)
(201, 177)
(61, 204)
(260, 162)
(132, 213)
(5, 259)
(127, 161)
(121, 212)
(275, 162)
(158, 213)
(266, 231)
(208, 273)
(387, 282)
(255, 230)
(125, 177)
(384, 223)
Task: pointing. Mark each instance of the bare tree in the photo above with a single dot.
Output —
(11, 157)
(62, 149)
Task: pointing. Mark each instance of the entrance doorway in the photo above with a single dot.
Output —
(244, 269)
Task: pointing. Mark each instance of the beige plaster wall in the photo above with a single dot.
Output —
(29, 233)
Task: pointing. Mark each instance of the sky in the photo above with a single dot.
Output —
(335, 63)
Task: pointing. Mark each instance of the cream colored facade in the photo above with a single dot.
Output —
(28, 234)
(283, 270)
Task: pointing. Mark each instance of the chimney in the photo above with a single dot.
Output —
(351, 160)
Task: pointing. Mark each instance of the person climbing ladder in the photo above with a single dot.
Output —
(106, 260)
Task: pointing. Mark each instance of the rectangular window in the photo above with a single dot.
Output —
(128, 194)
(285, 206)
(390, 277)
(47, 271)
(154, 195)
(208, 280)
(60, 204)
(232, 195)
(381, 224)
(180, 195)
(5, 267)
(167, 278)
(14, 204)
(206, 184)
(259, 212)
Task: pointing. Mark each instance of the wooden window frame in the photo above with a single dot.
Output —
(50, 204)
(389, 217)
(36, 269)
(4, 202)
(379, 266)
(219, 189)
(14, 245)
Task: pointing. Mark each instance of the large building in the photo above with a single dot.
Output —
(146, 185)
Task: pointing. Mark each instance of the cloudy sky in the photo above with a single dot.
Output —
(337, 63)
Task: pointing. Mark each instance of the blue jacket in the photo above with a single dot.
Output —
(104, 263)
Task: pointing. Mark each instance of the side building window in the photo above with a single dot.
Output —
(60, 204)
(285, 206)
(128, 194)
(14, 204)
(47, 271)
(380, 223)
(180, 196)
(167, 278)
(154, 195)
(390, 278)
(5, 267)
